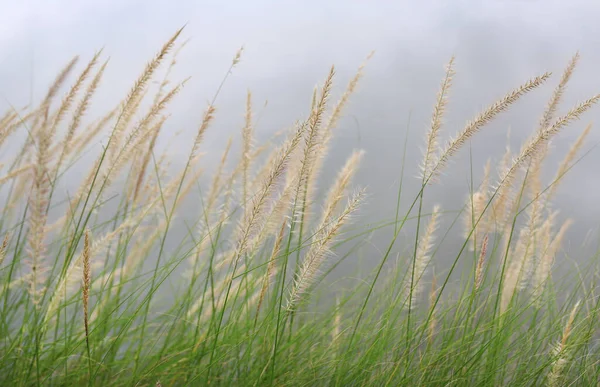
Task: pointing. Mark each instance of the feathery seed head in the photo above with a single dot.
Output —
(480, 263)
(483, 118)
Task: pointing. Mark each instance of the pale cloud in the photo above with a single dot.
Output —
(291, 44)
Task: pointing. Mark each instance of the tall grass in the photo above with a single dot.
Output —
(95, 291)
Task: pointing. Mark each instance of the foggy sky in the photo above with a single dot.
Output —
(289, 47)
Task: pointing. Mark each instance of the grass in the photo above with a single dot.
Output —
(101, 287)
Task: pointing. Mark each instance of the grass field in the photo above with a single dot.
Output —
(92, 292)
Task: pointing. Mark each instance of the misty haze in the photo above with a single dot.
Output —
(299, 193)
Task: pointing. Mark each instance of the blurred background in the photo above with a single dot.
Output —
(288, 49)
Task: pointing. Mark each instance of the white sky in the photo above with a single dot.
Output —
(289, 46)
